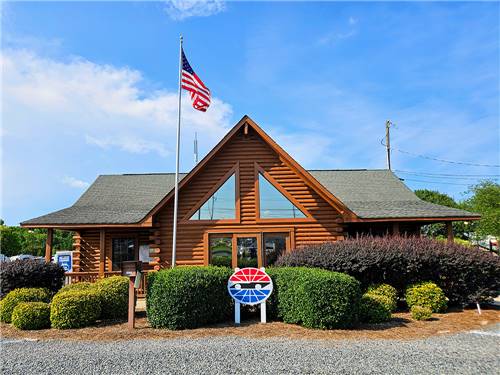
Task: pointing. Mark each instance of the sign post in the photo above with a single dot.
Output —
(250, 286)
(132, 269)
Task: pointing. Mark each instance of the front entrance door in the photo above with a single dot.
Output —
(247, 250)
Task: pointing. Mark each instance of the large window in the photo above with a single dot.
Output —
(274, 246)
(273, 204)
(221, 250)
(221, 205)
(123, 250)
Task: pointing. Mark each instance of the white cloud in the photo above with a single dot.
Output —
(352, 21)
(75, 183)
(66, 116)
(129, 144)
(181, 9)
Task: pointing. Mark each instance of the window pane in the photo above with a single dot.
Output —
(274, 245)
(247, 251)
(123, 249)
(221, 205)
(273, 204)
(221, 251)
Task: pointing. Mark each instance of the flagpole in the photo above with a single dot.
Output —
(178, 141)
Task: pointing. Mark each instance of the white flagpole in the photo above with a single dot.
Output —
(176, 192)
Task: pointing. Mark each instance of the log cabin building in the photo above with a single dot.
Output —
(245, 203)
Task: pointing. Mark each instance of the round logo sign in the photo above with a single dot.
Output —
(250, 286)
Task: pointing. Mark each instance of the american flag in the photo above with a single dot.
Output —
(200, 94)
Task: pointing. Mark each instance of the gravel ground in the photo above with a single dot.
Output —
(473, 352)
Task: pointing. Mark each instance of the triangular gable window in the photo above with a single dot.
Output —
(274, 205)
(221, 205)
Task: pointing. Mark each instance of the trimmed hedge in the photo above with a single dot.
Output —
(387, 291)
(421, 312)
(375, 308)
(114, 296)
(31, 315)
(426, 294)
(465, 275)
(84, 285)
(17, 296)
(30, 273)
(314, 298)
(188, 297)
(75, 309)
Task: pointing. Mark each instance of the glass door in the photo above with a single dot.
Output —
(247, 250)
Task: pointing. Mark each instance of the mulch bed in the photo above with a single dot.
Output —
(401, 327)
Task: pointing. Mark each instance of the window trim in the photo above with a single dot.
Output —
(243, 232)
(259, 170)
(234, 170)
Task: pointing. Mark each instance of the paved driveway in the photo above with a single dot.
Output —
(474, 352)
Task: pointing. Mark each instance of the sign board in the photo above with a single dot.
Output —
(250, 286)
(65, 260)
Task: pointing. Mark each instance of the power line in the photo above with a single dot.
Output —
(449, 174)
(457, 177)
(438, 159)
(437, 182)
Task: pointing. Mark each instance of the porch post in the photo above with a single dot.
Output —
(449, 231)
(102, 252)
(395, 228)
(48, 244)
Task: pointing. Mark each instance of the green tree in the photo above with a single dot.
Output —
(460, 229)
(16, 240)
(485, 200)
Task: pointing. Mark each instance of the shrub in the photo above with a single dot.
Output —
(421, 312)
(188, 297)
(385, 290)
(85, 285)
(426, 294)
(374, 308)
(314, 298)
(465, 274)
(17, 296)
(114, 296)
(75, 309)
(31, 315)
(30, 273)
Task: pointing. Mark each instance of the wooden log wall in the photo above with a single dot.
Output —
(245, 149)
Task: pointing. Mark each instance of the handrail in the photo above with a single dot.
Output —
(93, 276)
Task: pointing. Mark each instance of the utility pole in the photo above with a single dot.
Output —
(388, 124)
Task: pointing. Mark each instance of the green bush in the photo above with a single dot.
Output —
(421, 312)
(426, 294)
(385, 290)
(75, 309)
(375, 308)
(188, 297)
(16, 296)
(222, 261)
(31, 315)
(114, 296)
(314, 298)
(85, 285)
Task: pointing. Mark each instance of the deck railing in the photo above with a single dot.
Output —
(92, 277)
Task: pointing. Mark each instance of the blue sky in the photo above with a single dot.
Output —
(90, 88)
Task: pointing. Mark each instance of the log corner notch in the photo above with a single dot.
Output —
(102, 253)
(449, 231)
(48, 244)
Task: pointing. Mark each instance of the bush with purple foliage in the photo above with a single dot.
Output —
(30, 273)
(465, 274)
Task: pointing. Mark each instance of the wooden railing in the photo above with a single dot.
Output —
(92, 277)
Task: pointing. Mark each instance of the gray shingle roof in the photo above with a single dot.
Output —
(379, 194)
(127, 199)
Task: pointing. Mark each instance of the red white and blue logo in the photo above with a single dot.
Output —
(250, 286)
